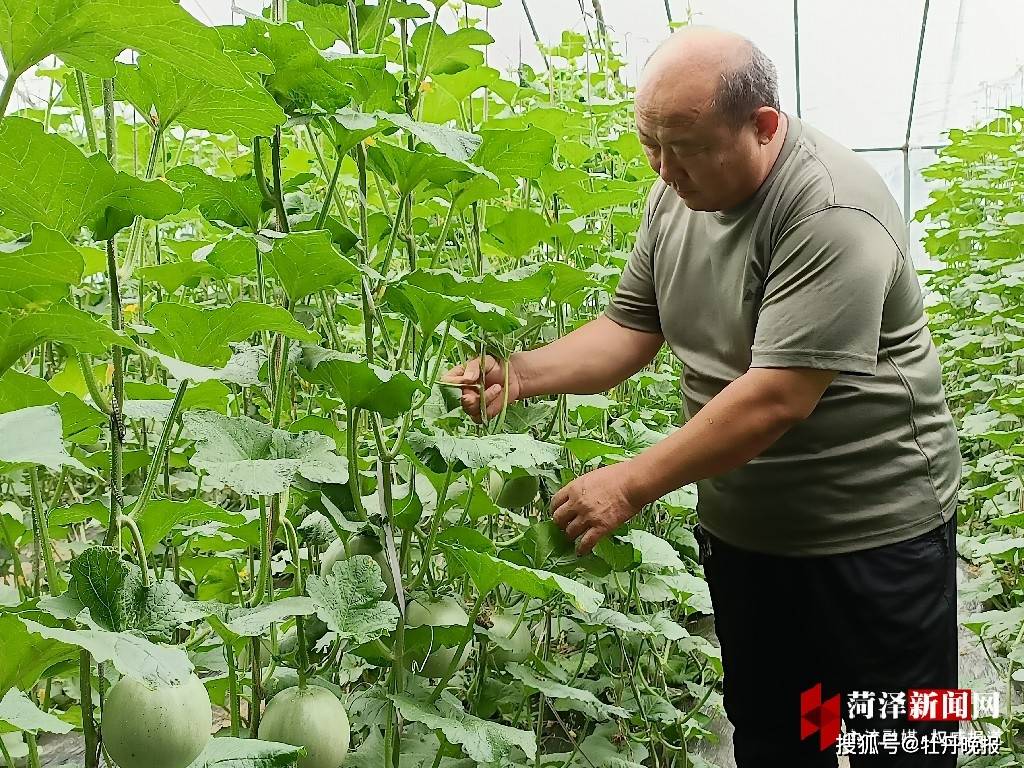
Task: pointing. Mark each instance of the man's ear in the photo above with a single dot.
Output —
(766, 122)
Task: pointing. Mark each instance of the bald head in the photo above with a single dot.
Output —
(708, 117)
(703, 70)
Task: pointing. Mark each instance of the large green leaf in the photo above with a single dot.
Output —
(34, 435)
(580, 698)
(360, 384)
(233, 622)
(444, 94)
(483, 740)
(161, 516)
(307, 262)
(19, 390)
(518, 232)
(407, 169)
(39, 271)
(302, 76)
(488, 571)
(46, 179)
(450, 142)
(61, 323)
(117, 599)
(243, 368)
(503, 452)
(168, 97)
(89, 34)
(130, 654)
(236, 202)
(428, 310)
(229, 752)
(253, 458)
(348, 600)
(17, 710)
(201, 336)
(26, 655)
(327, 23)
(450, 52)
(511, 154)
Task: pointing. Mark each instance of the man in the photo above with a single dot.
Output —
(774, 263)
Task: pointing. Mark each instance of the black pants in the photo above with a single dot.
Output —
(877, 620)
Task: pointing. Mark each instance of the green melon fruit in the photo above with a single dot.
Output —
(312, 718)
(437, 613)
(513, 492)
(521, 640)
(166, 726)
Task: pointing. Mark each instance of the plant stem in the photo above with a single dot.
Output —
(301, 655)
(42, 536)
(156, 461)
(19, 573)
(83, 100)
(92, 744)
(233, 699)
(138, 544)
(7, 92)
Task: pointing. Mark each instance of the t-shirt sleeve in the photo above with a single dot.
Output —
(635, 303)
(825, 292)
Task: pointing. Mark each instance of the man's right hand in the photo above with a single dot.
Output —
(467, 376)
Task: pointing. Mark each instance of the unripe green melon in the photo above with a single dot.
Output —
(164, 726)
(437, 613)
(360, 544)
(521, 640)
(312, 718)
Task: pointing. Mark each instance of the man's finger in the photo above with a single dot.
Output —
(455, 374)
(588, 542)
(564, 514)
(560, 497)
(576, 527)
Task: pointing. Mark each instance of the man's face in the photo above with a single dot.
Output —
(709, 163)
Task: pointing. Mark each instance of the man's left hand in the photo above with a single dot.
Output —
(595, 504)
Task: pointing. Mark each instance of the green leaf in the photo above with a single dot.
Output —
(201, 336)
(503, 452)
(130, 654)
(236, 202)
(307, 262)
(302, 77)
(17, 710)
(26, 655)
(19, 390)
(229, 752)
(113, 592)
(359, 384)
(45, 179)
(233, 622)
(89, 34)
(652, 550)
(450, 142)
(168, 96)
(348, 600)
(39, 271)
(61, 323)
(444, 93)
(452, 52)
(243, 368)
(428, 310)
(173, 274)
(582, 699)
(253, 458)
(162, 516)
(487, 572)
(34, 435)
(511, 154)
(483, 740)
(518, 232)
(407, 169)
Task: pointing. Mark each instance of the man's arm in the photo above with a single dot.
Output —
(735, 426)
(593, 358)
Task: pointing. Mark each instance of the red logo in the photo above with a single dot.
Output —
(818, 717)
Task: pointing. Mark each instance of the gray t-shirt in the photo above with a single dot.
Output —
(813, 272)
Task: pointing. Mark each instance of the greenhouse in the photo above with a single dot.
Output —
(506, 383)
